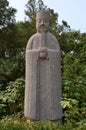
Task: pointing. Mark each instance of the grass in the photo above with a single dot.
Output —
(23, 124)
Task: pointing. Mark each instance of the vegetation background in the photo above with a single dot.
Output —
(13, 39)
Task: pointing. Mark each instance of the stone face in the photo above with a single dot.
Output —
(43, 74)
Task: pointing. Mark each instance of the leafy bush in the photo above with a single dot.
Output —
(11, 99)
(74, 81)
(11, 68)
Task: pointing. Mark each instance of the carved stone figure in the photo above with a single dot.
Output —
(43, 74)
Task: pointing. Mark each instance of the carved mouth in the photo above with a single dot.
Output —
(43, 28)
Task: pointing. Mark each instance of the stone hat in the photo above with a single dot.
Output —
(43, 14)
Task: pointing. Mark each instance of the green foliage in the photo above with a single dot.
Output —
(21, 124)
(11, 99)
(11, 69)
(7, 18)
(74, 77)
(12, 124)
(6, 13)
(13, 39)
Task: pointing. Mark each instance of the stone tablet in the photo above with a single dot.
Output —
(43, 74)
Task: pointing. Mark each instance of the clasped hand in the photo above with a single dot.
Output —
(43, 52)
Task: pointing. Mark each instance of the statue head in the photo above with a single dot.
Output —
(42, 21)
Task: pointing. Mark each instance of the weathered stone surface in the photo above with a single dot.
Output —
(43, 74)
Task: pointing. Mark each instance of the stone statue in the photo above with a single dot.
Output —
(43, 74)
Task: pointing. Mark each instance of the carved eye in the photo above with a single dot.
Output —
(39, 21)
(45, 21)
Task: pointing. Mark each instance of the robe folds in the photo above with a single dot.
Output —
(43, 84)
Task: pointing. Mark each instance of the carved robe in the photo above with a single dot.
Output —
(43, 80)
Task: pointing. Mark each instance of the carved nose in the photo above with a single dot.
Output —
(42, 23)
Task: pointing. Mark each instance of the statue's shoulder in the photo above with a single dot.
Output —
(31, 40)
(53, 41)
(33, 37)
(52, 37)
